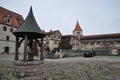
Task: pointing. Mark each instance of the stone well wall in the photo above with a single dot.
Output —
(26, 69)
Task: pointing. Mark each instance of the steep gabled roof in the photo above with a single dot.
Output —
(17, 19)
(77, 27)
(30, 27)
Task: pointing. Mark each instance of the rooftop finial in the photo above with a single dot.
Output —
(31, 9)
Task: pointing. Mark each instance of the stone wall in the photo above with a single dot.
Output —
(27, 69)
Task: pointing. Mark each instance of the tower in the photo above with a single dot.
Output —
(77, 31)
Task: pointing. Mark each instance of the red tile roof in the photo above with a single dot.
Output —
(77, 27)
(17, 19)
(101, 36)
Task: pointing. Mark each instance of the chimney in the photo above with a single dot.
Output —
(50, 30)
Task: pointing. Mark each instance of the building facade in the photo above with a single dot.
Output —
(97, 42)
(52, 39)
(88, 42)
(77, 33)
(9, 22)
(74, 39)
(101, 42)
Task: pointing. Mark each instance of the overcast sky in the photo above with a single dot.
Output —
(94, 16)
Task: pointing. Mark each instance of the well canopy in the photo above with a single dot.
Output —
(29, 27)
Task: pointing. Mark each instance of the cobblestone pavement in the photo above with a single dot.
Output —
(78, 68)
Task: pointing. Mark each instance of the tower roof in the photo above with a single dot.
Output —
(77, 27)
(29, 27)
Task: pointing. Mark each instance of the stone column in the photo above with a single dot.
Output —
(16, 49)
(25, 48)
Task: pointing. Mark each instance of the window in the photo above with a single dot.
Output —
(98, 43)
(11, 29)
(6, 50)
(4, 28)
(54, 36)
(55, 42)
(91, 44)
(78, 32)
(7, 38)
(48, 36)
(47, 42)
(8, 19)
(58, 37)
(118, 42)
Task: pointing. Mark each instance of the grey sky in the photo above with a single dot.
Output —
(94, 16)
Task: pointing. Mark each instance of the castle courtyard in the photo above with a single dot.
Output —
(74, 68)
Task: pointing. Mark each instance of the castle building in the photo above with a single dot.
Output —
(101, 41)
(52, 39)
(9, 22)
(97, 42)
(74, 39)
(87, 42)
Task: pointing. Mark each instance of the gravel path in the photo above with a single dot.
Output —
(78, 68)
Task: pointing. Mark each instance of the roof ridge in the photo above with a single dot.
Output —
(104, 34)
(51, 32)
(10, 11)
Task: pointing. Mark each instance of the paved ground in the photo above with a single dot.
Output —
(83, 59)
(76, 68)
(96, 58)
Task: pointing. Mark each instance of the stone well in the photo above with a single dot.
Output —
(26, 69)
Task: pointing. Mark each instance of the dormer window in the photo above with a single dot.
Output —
(8, 19)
